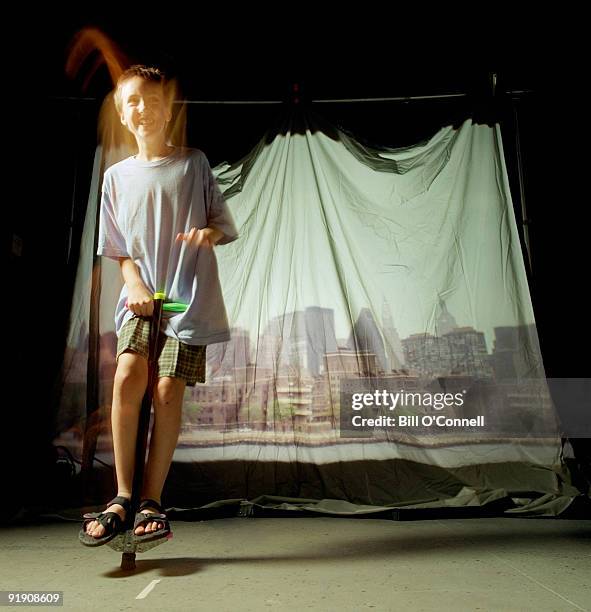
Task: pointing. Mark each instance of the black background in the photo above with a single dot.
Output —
(51, 123)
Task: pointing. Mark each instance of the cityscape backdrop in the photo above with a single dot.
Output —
(351, 263)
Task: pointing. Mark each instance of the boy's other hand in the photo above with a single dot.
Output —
(140, 301)
(208, 236)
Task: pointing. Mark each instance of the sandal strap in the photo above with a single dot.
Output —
(106, 519)
(91, 515)
(150, 516)
(122, 501)
(110, 518)
(151, 503)
(141, 518)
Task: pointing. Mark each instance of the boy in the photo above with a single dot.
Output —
(161, 215)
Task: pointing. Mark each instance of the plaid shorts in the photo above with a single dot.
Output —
(175, 358)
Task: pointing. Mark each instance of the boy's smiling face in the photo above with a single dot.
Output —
(144, 110)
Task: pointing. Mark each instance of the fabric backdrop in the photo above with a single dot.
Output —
(357, 270)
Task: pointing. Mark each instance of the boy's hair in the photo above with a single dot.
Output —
(148, 73)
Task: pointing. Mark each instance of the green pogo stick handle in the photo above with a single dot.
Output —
(169, 306)
(174, 306)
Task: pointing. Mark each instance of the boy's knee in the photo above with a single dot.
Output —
(169, 389)
(131, 367)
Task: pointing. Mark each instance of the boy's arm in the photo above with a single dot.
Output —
(139, 299)
(130, 273)
(111, 241)
(215, 235)
(220, 223)
(208, 236)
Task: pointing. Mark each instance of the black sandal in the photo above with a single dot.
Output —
(111, 521)
(141, 517)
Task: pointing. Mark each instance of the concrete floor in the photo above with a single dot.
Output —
(320, 564)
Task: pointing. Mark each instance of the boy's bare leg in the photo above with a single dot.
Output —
(131, 379)
(168, 405)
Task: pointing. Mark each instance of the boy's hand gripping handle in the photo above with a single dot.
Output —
(168, 306)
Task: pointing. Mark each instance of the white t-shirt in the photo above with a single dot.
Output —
(144, 206)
